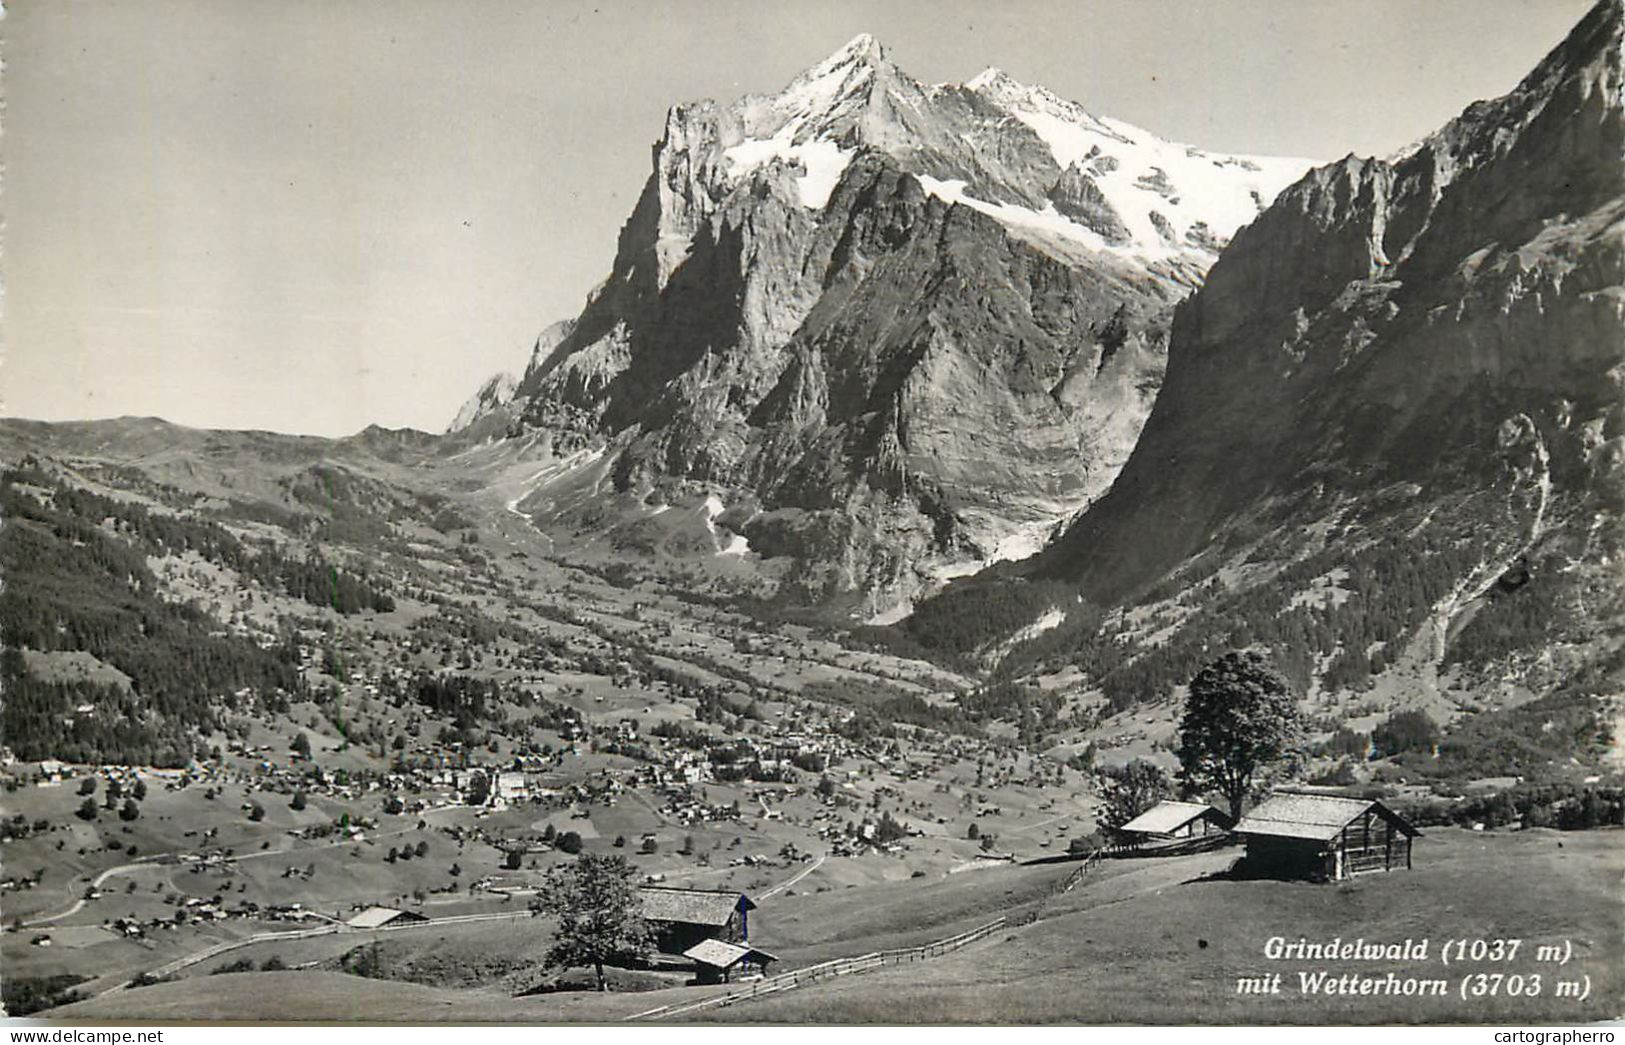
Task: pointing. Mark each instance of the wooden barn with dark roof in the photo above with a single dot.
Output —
(682, 918)
(1311, 835)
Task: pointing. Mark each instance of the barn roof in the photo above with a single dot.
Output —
(378, 917)
(723, 955)
(1167, 817)
(692, 906)
(1298, 814)
(716, 953)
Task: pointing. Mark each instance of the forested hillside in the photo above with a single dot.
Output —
(79, 580)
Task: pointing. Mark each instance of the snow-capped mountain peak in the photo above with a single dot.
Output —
(809, 124)
(1042, 165)
(1137, 192)
(795, 314)
(822, 90)
(861, 49)
(988, 78)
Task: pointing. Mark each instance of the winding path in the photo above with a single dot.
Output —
(793, 879)
(95, 883)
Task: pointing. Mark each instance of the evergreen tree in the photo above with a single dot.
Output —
(1405, 731)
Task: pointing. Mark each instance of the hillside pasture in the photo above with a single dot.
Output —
(1162, 941)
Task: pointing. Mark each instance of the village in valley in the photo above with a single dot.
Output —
(434, 773)
(403, 810)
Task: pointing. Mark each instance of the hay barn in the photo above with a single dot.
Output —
(1176, 821)
(378, 917)
(716, 961)
(1306, 835)
(682, 918)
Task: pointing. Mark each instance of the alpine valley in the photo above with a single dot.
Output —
(878, 507)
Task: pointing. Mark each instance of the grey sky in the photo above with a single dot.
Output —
(311, 215)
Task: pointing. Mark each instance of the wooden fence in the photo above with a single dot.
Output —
(1071, 881)
(826, 970)
(877, 959)
(773, 984)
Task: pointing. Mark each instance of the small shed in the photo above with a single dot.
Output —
(682, 918)
(1176, 821)
(1306, 834)
(715, 960)
(378, 917)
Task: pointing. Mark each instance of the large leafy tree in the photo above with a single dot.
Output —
(600, 914)
(1129, 790)
(1240, 717)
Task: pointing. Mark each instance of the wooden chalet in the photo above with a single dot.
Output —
(1303, 834)
(1176, 821)
(682, 918)
(716, 961)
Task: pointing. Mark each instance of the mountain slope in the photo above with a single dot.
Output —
(902, 329)
(493, 395)
(1389, 442)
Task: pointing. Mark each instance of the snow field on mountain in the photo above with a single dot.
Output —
(1215, 190)
(823, 161)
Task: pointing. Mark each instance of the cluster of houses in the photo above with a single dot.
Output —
(1293, 834)
(664, 765)
(51, 772)
(202, 910)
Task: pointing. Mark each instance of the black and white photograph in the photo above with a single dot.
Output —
(1050, 514)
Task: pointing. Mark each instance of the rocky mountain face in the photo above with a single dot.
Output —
(901, 330)
(1392, 428)
(492, 398)
(495, 394)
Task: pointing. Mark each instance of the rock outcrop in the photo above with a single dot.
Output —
(1418, 358)
(495, 394)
